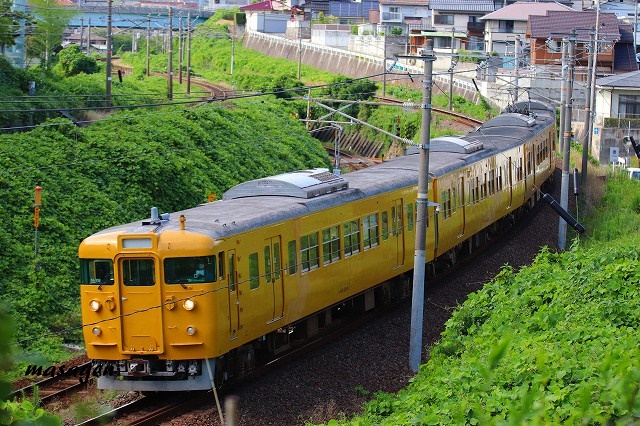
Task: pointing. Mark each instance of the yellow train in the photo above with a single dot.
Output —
(189, 300)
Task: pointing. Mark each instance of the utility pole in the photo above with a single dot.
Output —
(89, 37)
(585, 152)
(81, 34)
(587, 111)
(563, 91)
(107, 97)
(564, 188)
(299, 48)
(189, 53)
(516, 67)
(233, 48)
(384, 65)
(148, 43)
(180, 46)
(451, 67)
(170, 54)
(419, 260)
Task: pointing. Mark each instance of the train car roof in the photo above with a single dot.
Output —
(227, 217)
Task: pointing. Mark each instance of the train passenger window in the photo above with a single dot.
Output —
(409, 217)
(96, 271)
(267, 263)
(492, 182)
(351, 235)
(221, 265)
(232, 272)
(446, 203)
(499, 179)
(385, 225)
(254, 271)
(330, 244)
(519, 170)
(309, 251)
(183, 270)
(454, 199)
(138, 272)
(370, 231)
(293, 263)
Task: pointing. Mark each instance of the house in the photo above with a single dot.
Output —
(459, 17)
(406, 15)
(96, 44)
(502, 26)
(545, 34)
(268, 16)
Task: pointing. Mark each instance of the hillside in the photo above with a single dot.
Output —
(113, 172)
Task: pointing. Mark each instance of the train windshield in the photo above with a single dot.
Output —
(96, 271)
(183, 270)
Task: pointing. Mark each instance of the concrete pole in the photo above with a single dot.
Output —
(594, 70)
(107, 97)
(563, 91)
(516, 67)
(180, 55)
(170, 54)
(453, 38)
(564, 188)
(587, 112)
(189, 54)
(417, 301)
(148, 43)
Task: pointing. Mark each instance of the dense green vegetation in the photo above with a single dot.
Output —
(555, 343)
(114, 172)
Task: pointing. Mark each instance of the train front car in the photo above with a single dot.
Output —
(146, 289)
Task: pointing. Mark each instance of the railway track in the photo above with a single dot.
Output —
(53, 387)
(465, 120)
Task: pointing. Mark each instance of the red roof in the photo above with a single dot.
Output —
(264, 6)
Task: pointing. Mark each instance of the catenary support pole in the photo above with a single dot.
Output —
(587, 111)
(170, 55)
(566, 145)
(417, 301)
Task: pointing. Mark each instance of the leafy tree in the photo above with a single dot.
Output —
(10, 22)
(51, 22)
(284, 87)
(72, 61)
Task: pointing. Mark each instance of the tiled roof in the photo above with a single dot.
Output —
(462, 5)
(562, 22)
(626, 80)
(520, 11)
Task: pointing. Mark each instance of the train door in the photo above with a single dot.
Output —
(141, 327)
(234, 301)
(273, 274)
(397, 230)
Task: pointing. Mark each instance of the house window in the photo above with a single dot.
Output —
(629, 106)
(443, 19)
(506, 26)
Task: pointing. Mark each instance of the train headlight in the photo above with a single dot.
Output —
(94, 305)
(191, 330)
(189, 304)
(96, 331)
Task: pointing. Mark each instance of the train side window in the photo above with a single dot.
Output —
(351, 233)
(277, 265)
(492, 182)
(267, 263)
(454, 199)
(96, 271)
(309, 252)
(254, 271)
(370, 231)
(182, 270)
(446, 203)
(409, 217)
(293, 262)
(385, 225)
(499, 179)
(221, 265)
(232, 272)
(331, 244)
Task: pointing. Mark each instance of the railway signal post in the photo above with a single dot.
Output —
(417, 301)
